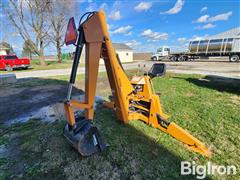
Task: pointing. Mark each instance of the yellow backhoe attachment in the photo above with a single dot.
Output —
(131, 100)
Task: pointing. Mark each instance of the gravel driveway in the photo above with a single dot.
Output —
(204, 67)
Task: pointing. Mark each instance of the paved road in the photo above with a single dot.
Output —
(220, 68)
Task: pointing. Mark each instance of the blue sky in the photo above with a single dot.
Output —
(146, 25)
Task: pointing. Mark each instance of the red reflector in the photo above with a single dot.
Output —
(71, 34)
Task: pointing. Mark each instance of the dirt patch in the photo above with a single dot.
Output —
(24, 101)
(41, 99)
(52, 112)
(48, 113)
(190, 94)
(235, 99)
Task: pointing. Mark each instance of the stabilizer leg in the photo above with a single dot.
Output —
(182, 135)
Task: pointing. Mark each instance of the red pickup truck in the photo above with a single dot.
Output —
(10, 62)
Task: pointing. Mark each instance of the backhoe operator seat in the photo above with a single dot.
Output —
(158, 69)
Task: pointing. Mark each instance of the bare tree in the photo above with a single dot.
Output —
(27, 50)
(58, 14)
(29, 19)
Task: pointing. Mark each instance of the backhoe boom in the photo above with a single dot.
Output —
(132, 100)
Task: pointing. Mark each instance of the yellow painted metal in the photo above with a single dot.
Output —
(155, 108)
(119, 80)
(69, 113)
(132, 100)
(192, 142)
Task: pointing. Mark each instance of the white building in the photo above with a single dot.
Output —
(124, 52)
(3, 49)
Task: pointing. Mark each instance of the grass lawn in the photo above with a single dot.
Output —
(50, 64)
(35, 65)
(207, 108)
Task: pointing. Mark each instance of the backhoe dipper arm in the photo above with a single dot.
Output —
(97, 42)
(132, 100)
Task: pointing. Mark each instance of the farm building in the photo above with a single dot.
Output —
(4, 49)
(124, 52)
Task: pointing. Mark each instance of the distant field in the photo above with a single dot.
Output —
(206, 107)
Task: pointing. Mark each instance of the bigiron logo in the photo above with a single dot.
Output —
(201, 171)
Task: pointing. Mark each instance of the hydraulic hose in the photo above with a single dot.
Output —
(77, 56)
(78, 52)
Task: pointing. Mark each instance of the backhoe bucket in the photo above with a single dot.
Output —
(85, 138)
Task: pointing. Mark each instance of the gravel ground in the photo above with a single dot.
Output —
(204, 67)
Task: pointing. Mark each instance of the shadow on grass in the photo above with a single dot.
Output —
(135, 154)
(130, 155)
(46, 154)
(219, 83)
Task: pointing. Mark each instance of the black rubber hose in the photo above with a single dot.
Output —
(77, 55)
(79, 47)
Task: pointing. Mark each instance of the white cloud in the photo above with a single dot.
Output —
(123, 30)
(206, 26)
(91, 7)
(202, 19)
(115, 15)
(182, 40)
(154, 36)
(143, 6)
(197, 38)
(103, 6)
(221, 17)
(116, 5)
(139, 47)
(133, 43)
(128, 34)
(204, 9)
(176, 8)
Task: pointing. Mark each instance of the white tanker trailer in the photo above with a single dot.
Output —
(212, 47)
(223, 44)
